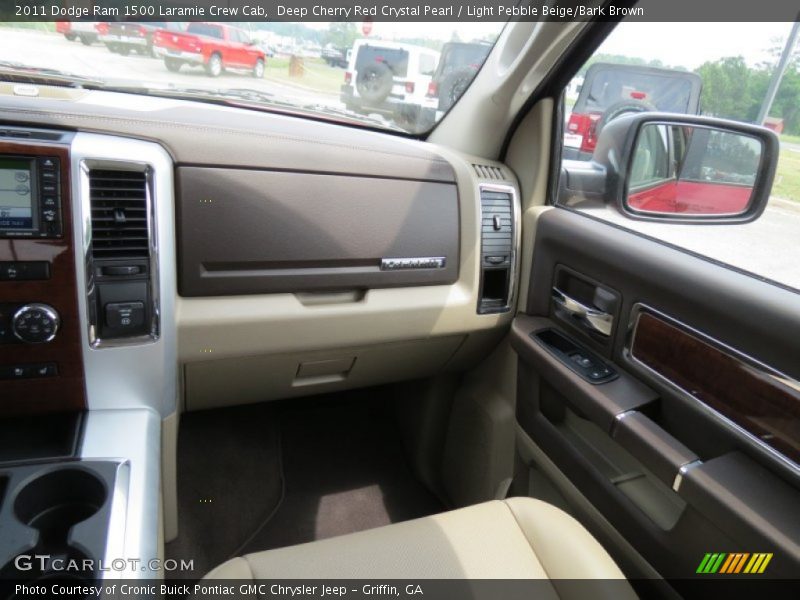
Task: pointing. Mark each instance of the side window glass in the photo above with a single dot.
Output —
(427, 65)
(677, 174)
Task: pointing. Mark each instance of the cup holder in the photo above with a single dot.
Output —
(55, 518)
(56, 501)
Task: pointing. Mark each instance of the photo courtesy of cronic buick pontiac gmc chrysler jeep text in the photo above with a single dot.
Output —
(472, 309)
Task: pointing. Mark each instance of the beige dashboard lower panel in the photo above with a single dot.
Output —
(231, 381)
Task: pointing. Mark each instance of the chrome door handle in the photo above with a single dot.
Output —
(592, 318)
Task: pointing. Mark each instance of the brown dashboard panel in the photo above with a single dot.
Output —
(64, 392)
(244, 231)
(757, 399)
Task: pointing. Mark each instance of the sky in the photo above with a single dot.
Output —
(675, 44)
(691, 44)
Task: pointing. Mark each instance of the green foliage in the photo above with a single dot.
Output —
(619, 59)
(733, 90)
(341, 35)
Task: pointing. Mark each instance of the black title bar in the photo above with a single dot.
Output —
(399, 10)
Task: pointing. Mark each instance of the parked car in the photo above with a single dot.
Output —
(123, 37)
(65, 29)
(390, 79)
(611, 90)
(84, 31)
(335, 57)
(214, 46)
(457, 68)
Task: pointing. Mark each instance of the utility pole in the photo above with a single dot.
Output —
(777, 75)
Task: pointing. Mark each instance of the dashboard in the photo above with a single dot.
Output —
(179, 255)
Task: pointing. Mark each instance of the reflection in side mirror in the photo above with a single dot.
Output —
(681, 169)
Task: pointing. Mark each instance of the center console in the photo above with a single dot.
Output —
(88, 366)
(41, 365)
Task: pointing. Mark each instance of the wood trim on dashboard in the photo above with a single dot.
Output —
(67, 391)
(755, 398)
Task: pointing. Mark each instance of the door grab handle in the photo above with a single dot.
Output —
(591, 318)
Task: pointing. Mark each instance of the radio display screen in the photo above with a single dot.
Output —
(16, 194)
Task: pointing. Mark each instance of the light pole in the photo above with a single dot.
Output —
(777, 75)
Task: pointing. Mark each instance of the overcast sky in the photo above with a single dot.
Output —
(691, 44)
(675, 44)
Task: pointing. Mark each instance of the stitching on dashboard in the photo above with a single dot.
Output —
(186, 126)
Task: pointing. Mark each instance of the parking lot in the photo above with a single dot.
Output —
(55, 51)
(767, 247)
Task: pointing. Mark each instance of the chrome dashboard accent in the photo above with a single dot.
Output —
(752, 363)
(591, 318)
(86, 166)
(140, 372)
(132, 437)
(512, 274)
(676, 483)
(421, 262)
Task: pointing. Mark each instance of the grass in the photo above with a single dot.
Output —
(792, 139)
(787, 178)
(317, 75)
(36, 26)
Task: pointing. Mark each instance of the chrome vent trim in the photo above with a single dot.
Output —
(89, 169)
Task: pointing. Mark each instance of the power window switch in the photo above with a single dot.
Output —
(582, 360)
(599, 372)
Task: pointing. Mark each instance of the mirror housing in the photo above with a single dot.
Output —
(614, 155)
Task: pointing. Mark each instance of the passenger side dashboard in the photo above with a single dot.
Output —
(305, 257)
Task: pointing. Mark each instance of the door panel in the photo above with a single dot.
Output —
(688, 445)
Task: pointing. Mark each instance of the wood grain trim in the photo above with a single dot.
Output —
(753, 397)
(66, 392)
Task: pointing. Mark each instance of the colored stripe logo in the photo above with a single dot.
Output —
(734, 563)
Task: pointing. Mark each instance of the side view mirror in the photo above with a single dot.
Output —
(681, 168)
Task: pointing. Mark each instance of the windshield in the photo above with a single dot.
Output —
(458, 56)
(380, 75)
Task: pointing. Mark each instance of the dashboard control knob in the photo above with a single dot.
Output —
(35, 323)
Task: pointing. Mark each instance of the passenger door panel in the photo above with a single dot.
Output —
(688, 448)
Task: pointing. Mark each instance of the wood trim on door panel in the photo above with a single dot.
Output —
(755, 398)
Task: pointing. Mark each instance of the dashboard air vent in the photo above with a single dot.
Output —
(489, 172)
(119, 214)
(497, 249)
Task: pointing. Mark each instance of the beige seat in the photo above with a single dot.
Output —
(519, 538)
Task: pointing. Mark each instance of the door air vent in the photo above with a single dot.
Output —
(119, 214)
(497, 248)
(489, 172)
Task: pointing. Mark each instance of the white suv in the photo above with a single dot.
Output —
(390, 79)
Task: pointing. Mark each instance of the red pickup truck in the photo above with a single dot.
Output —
(215, 46)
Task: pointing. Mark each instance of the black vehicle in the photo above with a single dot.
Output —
(335, 57)
(611, 90)
(458, 65)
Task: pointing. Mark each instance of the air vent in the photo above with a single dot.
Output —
(497, 250)
(489, 172)
(119, 214)
(496, 223)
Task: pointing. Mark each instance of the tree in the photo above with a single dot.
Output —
(341, 35)
(619, 59)
(731, 89)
